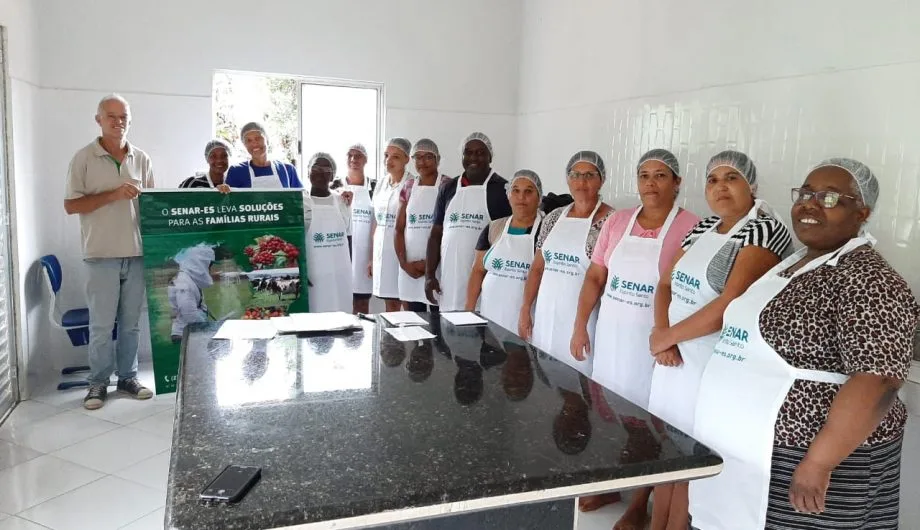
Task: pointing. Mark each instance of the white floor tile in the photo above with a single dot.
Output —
(56, 432)
(160, 424)
(11, 455)
(15, 523)
(66, 399)
(152, 472)
(30, 411)
(151, 521)
(38, 480)
(114, 450)
(125, 410)
(107, 503)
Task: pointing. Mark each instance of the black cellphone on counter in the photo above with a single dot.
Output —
(231, 485)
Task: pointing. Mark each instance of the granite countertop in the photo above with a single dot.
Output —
(356, 424)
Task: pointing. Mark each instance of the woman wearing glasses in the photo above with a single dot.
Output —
(564, 248)
(414, 221)
(800, 396)
(719, 259)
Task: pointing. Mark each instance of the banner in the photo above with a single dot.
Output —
(212, 257)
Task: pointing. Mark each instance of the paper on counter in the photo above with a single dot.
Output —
(315, 322)
(464, 318)
(246, 329)
(404, 318)
(409, 333)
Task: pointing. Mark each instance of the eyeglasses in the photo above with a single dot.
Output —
(826, 199)
(427, 157)
(587, 175)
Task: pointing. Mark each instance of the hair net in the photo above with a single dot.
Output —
(404, 145)
(477, 136)
(252, 126)
(590, 157)
(216, 143)
(529, 175)
(360, 148)
(862, 175)
(320, 156)
(661, 155)
(738, 161)
(195, 261)
(426, 145)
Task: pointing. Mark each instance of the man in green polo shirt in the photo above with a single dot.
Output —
(103, 182)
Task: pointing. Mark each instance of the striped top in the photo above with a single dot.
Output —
(765, 231)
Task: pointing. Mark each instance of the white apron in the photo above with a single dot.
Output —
(419, 219)
(466, 216)
(622, 361)
(565, 265)
(507, 264)
(268, 182)
(386, 265)
(741, 392)
(674, 388)
(328, 262)
(362, 211)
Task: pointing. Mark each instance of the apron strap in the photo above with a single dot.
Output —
(820, 376)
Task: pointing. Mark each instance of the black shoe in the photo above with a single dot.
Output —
(134, 388)
(95, 398)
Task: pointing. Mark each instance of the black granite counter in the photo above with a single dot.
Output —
(361, 427)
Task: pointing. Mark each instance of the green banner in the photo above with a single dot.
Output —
(213, 257)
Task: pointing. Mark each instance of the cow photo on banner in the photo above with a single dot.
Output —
(210, 257)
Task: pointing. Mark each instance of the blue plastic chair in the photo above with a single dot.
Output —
(74, 321)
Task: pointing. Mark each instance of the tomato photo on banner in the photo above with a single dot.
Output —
(210, 257)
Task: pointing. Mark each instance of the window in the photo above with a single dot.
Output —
(335, 117)
(301, 115)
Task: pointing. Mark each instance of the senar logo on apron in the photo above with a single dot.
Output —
(507, 264)
(622, 361)
(420, 219)
(742, 430)
(361, 214)
(467, 215)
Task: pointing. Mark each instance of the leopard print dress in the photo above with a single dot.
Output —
(858, 316)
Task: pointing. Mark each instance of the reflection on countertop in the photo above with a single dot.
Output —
(357, 423)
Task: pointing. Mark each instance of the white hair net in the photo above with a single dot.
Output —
(661, 155)
(738, 161)
(195, 261)
(320, 156)
(404, 145)
(529, 175)
(426, 145)
(250, 127)
(862, 175)
(360, 148)
(477, 136)
(590, 157)
(216, 143)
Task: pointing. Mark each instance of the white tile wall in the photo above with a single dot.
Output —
(785, 125)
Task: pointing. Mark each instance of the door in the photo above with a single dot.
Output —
(9, 389)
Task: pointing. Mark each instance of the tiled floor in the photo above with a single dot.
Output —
(66, 468)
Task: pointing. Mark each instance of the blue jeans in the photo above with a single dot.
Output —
(114, 288)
